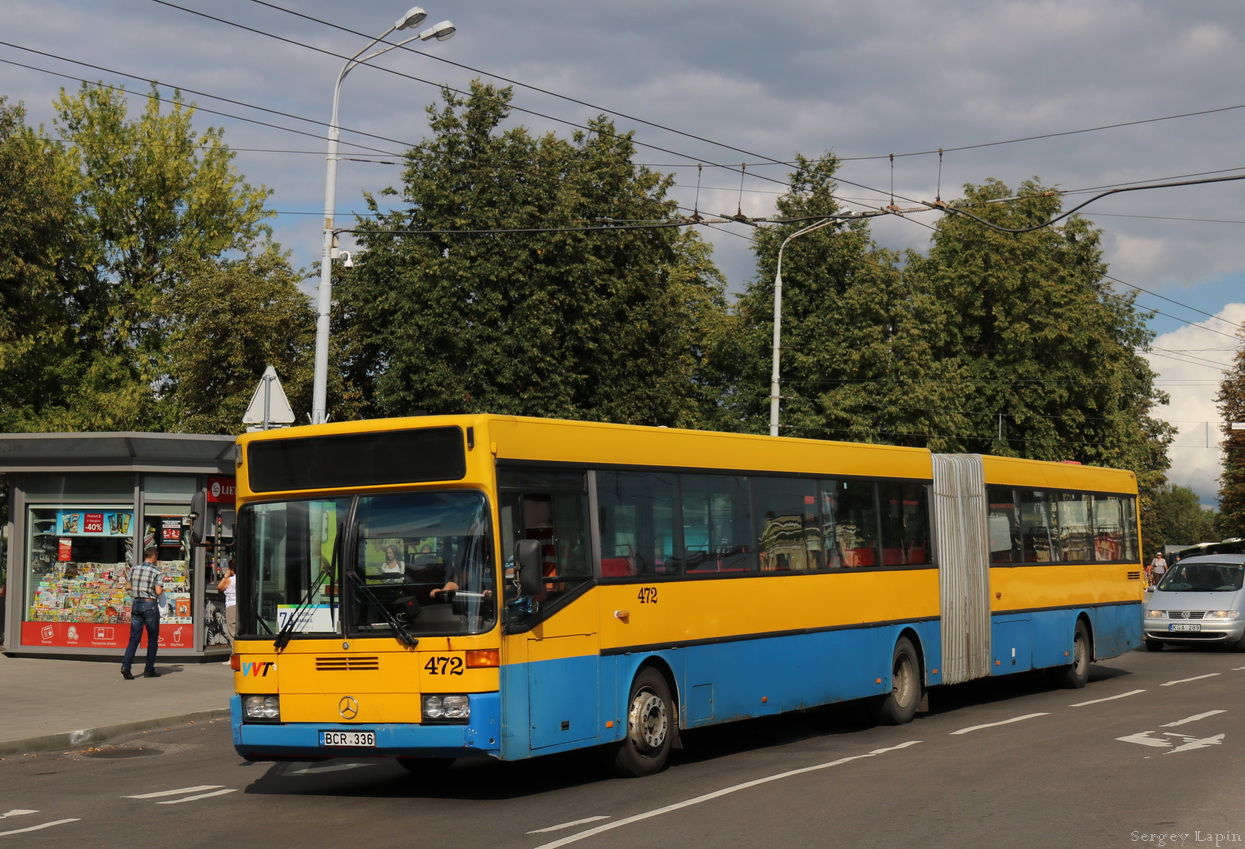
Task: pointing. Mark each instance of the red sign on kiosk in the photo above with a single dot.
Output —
(97, 635)
(221, 490)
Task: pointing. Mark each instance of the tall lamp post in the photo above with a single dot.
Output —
(413, 17)
(774, 394)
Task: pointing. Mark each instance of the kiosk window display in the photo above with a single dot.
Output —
(81, 508)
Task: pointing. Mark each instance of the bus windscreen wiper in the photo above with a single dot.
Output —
(287, 628)
(399, 630)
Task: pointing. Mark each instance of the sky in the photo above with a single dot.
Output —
(1083, 95)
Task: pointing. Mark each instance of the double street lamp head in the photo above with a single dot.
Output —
(415, 16)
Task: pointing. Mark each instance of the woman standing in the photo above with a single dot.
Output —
(227, 586)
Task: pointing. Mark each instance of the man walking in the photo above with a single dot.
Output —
(146, 587)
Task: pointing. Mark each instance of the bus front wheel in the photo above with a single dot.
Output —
(650, 728)
(898, 707)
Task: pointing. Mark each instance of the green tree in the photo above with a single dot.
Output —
(1231, 401)
(230, 320)
(159, 202)
(854, 363)
(447, 313)
(1047, 351)
(1179, 519)
(42, 291)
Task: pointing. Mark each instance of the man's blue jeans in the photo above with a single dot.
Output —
(143, 615)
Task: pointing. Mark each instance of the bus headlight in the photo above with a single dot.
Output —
(445, 708)
(262, 708)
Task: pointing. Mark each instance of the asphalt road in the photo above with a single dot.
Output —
(1150, 754)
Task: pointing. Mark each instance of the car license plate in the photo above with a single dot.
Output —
(350, 739)
(1180, 626)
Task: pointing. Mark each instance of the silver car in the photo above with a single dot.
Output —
(1199, 601)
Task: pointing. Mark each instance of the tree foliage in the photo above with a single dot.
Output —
(1046, 352)
(231, 320)
(854, 363)
(447, 312)
(1179, 519)
(1231, 401)
(124, 245)
(43, 293)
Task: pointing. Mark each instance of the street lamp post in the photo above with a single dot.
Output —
(413, 17)
(774, 394)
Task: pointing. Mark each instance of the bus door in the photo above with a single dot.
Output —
(559, 624)
(961, 543)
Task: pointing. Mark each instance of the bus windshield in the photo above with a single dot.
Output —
(404, 564)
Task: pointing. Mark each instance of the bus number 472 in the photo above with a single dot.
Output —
(444, 666)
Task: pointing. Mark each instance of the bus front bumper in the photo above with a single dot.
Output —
(306, 741)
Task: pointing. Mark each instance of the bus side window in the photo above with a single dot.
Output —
(637, 520)
(557, 521)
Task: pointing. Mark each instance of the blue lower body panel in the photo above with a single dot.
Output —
(301, 741)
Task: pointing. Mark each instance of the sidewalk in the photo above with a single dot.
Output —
(61, 704)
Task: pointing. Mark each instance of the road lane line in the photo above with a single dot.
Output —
(36, 827)
(568, 825)
(997, 724)
(16, 812)
(197, 798)
(1108, 698)
(592, 832)
(1187, 720)
(175, 792)
(1187, 680)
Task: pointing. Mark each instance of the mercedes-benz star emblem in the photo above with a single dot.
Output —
(348, 707)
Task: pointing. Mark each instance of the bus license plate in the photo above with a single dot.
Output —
(351, 739)
(1180, 626)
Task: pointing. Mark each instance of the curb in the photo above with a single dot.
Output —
(72, 739)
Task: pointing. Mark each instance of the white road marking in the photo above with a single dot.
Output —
(1189, 719)
(567, 825)
(16, 812)
(1194, 743)
(197, 798)
(1166, 741)
(160, 793)
(1187, 680)
(36, 827)
(572, 838)
(1145, 739)
(1108, 698)
(997, 724)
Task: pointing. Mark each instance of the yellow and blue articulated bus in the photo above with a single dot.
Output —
(450, 587)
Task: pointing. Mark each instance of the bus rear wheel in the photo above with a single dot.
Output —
(899, 706)
(1075, 675)
(650, 728)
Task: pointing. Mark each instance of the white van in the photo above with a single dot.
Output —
(1199, 601)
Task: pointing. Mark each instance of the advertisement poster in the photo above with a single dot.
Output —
(170, 530)
(99, 636)
(94, 523)
(64, 550)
